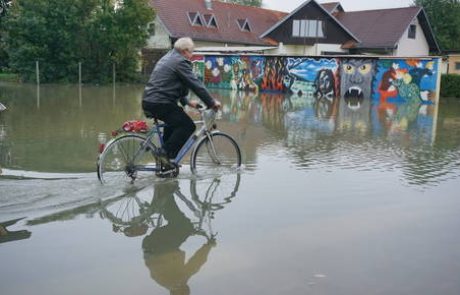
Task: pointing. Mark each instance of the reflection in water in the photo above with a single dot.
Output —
(163, 256)
(9, 235)
(314, 128)
(166, 220)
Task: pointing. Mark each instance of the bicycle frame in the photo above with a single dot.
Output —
(189, 144)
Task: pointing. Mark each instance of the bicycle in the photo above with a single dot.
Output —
(131, 156)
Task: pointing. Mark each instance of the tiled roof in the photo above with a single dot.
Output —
(330, 6)
(174, 15)
(379, 28)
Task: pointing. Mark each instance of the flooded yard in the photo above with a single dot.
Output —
(334, 198)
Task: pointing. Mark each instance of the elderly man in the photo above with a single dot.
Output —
(169, 83)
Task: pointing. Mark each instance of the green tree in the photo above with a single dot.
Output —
(4, 6)
(444, 16)
(256, 3)
(62, 33)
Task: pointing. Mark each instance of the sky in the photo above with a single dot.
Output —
(348, 5)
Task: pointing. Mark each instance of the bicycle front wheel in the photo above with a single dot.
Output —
(216, 154)
(126, 159)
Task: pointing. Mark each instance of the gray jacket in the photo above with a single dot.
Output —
(171, 79)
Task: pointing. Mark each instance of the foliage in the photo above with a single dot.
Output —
(255, 3)
(8, 77)
(61, 33)
(4, 7)
(450, 85)
(444, 16)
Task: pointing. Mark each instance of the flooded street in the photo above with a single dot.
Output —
(334, 198)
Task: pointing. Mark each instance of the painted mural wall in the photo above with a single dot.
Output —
(356, 80)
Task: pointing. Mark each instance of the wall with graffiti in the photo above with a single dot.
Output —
(354, 79)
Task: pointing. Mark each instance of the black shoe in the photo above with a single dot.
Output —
(162, 156)
(168, 172)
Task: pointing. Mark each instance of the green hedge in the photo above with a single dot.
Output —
(9, 77)
(450, 86)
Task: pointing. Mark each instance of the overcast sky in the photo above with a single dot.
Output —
(348, 5)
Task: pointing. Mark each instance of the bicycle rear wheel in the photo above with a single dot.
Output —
(216, 155)
(125, 160)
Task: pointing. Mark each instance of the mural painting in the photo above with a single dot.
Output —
(308, 76)
(408, 81)
(198, 66)
(234, 72)
(354, 80)
(273, 74)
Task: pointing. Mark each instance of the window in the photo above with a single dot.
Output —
(412, 31)
(151, 29)
(457, 66)
(195, 19)
(308, 28)
(210, 20)
(244, 25)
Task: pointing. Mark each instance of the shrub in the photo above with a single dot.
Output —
(450, 85)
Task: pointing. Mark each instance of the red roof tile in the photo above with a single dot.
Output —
(174, 15)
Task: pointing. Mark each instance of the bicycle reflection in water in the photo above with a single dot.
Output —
(171, 227)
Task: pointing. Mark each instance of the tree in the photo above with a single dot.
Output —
(4, 6)
(255, 3)
(62, 33)
(444, 16)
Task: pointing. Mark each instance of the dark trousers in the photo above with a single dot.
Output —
(179, 125)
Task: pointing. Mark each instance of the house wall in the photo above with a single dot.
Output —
(199, 43)
(452, 61)
(413, 47)
(356, 79)
(160, 39)
(317, 49)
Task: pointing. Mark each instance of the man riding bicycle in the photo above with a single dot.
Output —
(168, 84)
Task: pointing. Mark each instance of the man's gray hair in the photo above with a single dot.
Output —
(184, 43)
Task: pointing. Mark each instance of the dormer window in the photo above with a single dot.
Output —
(210, 20)
(244, 25)
(195, 19)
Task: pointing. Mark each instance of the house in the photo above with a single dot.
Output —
(210, 23)
(311, 29)
(397, 32)
(452, 63)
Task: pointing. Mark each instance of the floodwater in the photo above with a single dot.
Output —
(334, 198)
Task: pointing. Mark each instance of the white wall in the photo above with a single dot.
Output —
(413, 47)
(330, 48)
(160, 39)
(316, 49)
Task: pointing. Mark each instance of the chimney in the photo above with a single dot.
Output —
(208, 4)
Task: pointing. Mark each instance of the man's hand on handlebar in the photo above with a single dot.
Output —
(196, 104)
(217, 105)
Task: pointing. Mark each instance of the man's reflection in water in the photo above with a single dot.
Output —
(162, 253)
